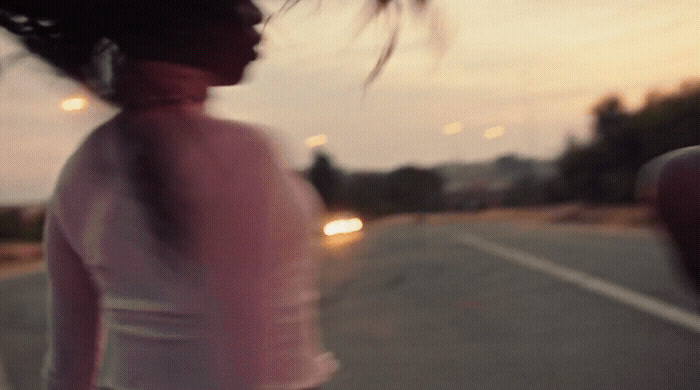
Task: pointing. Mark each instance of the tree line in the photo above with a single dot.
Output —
(17, 225)
(374, 194)
(604, 170)
(601, 170)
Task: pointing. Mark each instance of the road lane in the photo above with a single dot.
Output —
(4, 384)
(23, 329)
(637, 260)
(423, 311)
(409, 307)
(653, 306)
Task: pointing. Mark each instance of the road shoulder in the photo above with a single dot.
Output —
(20, 258)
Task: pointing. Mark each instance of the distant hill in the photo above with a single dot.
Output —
(498, 174)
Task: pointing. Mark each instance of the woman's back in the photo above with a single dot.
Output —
(238, 295)
(152, 315)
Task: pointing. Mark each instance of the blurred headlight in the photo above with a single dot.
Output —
(342, 226)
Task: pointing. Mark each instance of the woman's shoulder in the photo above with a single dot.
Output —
(83, 177)
(238, 141)
(225, 130)
(94, 156)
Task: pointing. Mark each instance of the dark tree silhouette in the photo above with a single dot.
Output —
(413, 189)
(327, 180)
(605, 169)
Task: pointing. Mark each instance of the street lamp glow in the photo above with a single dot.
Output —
(316, 141)
(452, 128)
(74, 103)
(494, 132)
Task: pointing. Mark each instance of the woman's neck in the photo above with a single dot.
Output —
(153, 84)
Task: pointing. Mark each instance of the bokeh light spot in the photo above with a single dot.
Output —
(76, 103)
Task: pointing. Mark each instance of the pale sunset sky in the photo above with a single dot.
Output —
(530, 69)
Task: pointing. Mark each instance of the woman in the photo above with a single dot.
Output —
(179, 250)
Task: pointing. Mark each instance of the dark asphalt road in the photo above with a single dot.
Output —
(22, 329)
(415, 307)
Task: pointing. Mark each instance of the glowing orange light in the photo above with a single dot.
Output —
(494, 132)
(317, 140)
(452, 128)
(76, 103)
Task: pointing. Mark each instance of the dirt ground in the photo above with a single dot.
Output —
(18, 258)
(634, 217)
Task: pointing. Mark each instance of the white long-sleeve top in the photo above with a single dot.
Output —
(242, 313)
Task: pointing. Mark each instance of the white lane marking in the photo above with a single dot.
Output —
(4, 384)
(650, 305)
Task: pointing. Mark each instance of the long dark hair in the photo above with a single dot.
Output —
(88, 40)
(156, 180)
